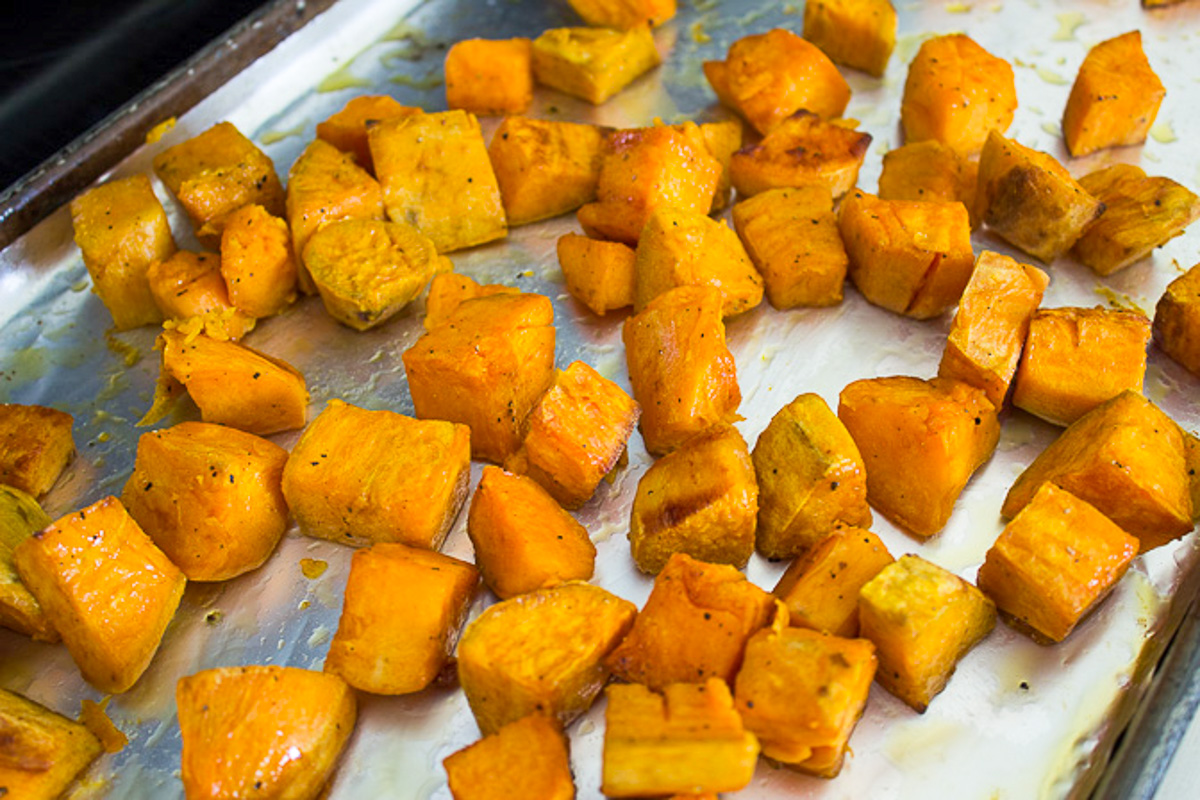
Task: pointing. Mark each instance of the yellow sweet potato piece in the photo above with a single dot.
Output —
(527, 759)
(922, 620)
(262, 731)
(105, 587)
(20, 518)
(347, 129)
(1077, 358)
(545, 168)
(624, 14)
(190, 285)
(35, 446)
(381, 651)
(858, 33)
(593, 63)
(921, 441)
(448, 290)
(41, 752)
(928, 170)
(598, 274)
(541, 652)
(257, 262)
(801, 149)
(490, 76)
(1177, 320)
(1114, 99)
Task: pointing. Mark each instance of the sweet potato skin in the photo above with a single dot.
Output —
(490, 76)
(1114, 99)
(35, 446)
(527, 758)
(1177, 320)
(40, 751)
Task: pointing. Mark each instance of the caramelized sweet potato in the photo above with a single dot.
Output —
(593, 63)
(1177, 320)
(257, 262)
(858, 33)
(545, 168)
(526, 759)
(347, 129)
(41, 752)
(20, 518)
(190, 286)
(1191, 455)
(490, 76)
(1115, 97)
(35, 446)
(624, 14)
(799, 150)
(928, 170)
(598, 274)
(448, 290)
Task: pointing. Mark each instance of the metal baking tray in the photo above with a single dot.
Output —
(1018, 720)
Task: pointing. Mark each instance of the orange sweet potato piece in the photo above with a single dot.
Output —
(1054, 562)
(722, 139)
(106, 588)
(41, 752)
(20, 518)
(820, 589)
(858, 33)
(448, 290)
(598, 274)
(801, 149)
(921, 441)
(693, 627)
(593, 63)
(768, 77)
(527, 759)
(922, 620)
(1191, 454)
(955, 93)
(1177, 320)
(378, 650)
(347, 129)
(257, 262)
(541, 652)
(190, 285)
(35, 446)
(1077, 358)
(991, 323)
(624, 14)
(545, 168)
(490, 76)
(1114, 99)
(262, 731)
(928, 170)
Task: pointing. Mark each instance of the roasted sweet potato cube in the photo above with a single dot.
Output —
(598, 274)
(541, 652)
(35, 446)
(820, 589)
(41, 752)
(1140, 214)
(360, 476)
(689, 739)
(436, 176)
(209, 496)
(768, 77)
(1115, 97)
(956, 93)
(683, 375)
(792, 237)
(810, 479)
(693, 627)
(1054, 562)
(20, 518)
(991, 323)
(858, 33)
(545, 168)
(257, 262)
(190, 285)
(1126, 458)
(689, 248)
(448, 290)
(1177, 320)
(523, 539)
(646, 168)
(235, 385)
(1077, 358)
(262, 730)
(527, 759)
(701, 499)
(922, 620)
(577, 433)
(593, 63)
(1191, 454)
(801, 693)
(381, 651)
(486, 366)
(214, 174)
(801, 149)
(490, 76)
(723, 139)
(347, 129)
(624, 14)
(911, 257)
(921, 441)
(928, 170)
(105, 587)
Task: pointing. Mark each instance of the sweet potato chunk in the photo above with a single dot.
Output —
(35, 446)
(1077, 358)
(1140, 214)
(190, 285)
(810, 478)
(545, 168)
(262, 731)
(235, 385)
(858, 33)
(801, 149)
(802, 692)
(490, 76)
(921, 441)
(486, 366)
(820, 589)
(928, 170)
(577, 433)
(105, 587)
(624, 14)
(526, 759)
(922, 620)
(991, 323)
(689, 739)
(693, 627)
(448, 290)
(523, 539)
(956, 93)
(1115, 97)
(911, 257)
(1177, 320)
(723, 139)
(381, 651)
(360, 476)
(541, 652)
(347, 129)
(701, 499)
(40, 752)
(768, 77)
(257, 262)
(1055, 562)
(1126, 458)
(436, 176)
(593, 63)
(598, 274)
(1191, 455)
(20, 518)
(683, 375)
(209, 496)
(688, 248)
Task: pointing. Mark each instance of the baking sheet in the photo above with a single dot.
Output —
(1018, 720)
